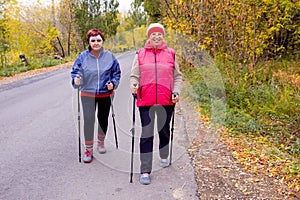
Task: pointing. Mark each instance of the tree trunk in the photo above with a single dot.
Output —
(62, 48)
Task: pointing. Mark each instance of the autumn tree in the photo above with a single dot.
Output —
(243, 31)
(110, 21)
(30, 31)
(153, 9)
(136, 17)
(66, 26)
(96, 14)
(3, 34)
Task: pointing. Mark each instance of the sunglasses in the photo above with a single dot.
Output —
(96, 40)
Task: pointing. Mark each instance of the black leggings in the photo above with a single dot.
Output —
(163, 118)
(89, 105)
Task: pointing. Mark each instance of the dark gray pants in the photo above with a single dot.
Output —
(89, 105)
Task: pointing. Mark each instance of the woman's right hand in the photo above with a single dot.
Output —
(77, 80)
(134, 88)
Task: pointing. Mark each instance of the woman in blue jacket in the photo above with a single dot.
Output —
(97, 73)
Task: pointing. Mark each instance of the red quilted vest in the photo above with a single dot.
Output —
(156, 75)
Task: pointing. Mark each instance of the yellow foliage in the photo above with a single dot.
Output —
(31, 31)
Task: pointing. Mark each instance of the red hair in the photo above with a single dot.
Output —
(93, 32)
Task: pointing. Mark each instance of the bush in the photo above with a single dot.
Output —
(259, 100)
(17, 68)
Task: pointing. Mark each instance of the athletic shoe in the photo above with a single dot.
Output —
(88, 155)
(164, 163)
(100, 148)
(145, 179)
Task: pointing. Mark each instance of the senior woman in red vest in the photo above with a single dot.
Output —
(155, 79)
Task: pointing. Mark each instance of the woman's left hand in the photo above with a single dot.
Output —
(110, 86)
(175, 97)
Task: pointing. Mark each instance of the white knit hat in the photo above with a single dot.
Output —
(155, 27)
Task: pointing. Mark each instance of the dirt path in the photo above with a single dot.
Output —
(217, 172)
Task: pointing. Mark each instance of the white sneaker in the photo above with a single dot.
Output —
(88, 155)
(100, 148)
(145, 179)
(164, 163)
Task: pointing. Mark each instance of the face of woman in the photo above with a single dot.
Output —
(156, 39)
(96, 42)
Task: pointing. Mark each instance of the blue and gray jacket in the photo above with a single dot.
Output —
(96, 72)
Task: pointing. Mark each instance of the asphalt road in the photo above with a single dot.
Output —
(39, 147)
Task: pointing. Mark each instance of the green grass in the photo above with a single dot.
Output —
(16, 68)
(258, 100)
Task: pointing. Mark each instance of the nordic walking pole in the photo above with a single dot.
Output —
(79, 140)
(132, 132)
(113, 117)
(172, 131)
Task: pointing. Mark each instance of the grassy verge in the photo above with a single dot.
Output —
(262, 119)
(16, 68)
